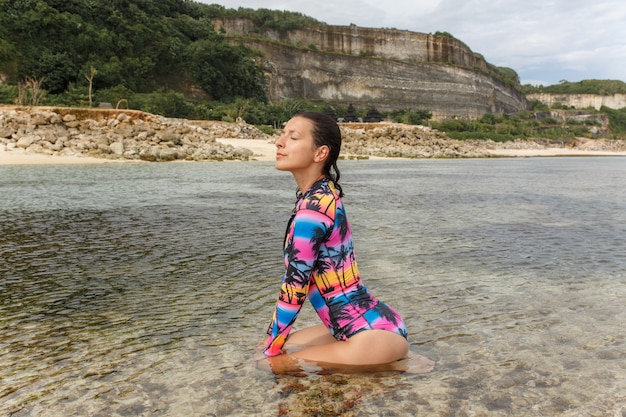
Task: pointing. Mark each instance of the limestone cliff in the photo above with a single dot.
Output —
(581, 101)
(384, 68)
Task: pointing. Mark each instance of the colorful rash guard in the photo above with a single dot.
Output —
(320, 264)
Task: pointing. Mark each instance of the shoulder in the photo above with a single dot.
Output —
(322, 199)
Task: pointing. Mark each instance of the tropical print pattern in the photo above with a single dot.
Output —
(320, 264)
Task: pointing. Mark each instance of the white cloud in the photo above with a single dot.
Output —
(545, 41)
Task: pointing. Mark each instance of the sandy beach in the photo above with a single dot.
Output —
(20, 157)
(264, 150)
(550, 152)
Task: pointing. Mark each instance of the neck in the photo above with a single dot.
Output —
(306, 180)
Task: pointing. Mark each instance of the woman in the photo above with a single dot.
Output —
(320, 264)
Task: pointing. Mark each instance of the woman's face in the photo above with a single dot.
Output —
(295, 148)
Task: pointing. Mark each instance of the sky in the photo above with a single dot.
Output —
(544, 41)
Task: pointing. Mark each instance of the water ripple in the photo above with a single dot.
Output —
(142, 289)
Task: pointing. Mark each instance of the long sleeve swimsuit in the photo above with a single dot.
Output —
(320, 264)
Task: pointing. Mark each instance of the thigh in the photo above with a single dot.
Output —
(310, 336)
(369, 347)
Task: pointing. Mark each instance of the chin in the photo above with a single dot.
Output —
(280, 166)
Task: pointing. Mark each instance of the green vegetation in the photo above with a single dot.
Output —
(140, 53)
(508, 76)
(410, 117)
(602, 87)
(62, 51)
(265, 18)
(617, 120)
(274, 115)
(525, 126)
(449, 35)
(159, 56)
(165, 57)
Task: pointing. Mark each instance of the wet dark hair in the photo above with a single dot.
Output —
(326, 132)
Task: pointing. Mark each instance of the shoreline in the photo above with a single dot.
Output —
(548, 152)
(20, 157)
(264, 150)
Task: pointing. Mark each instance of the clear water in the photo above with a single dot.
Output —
(142, 289)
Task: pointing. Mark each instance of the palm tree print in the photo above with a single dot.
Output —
(319, 254)
(384, 311)
(339, 258)
(319, 235)
(343, 223)
(321, 267)
(361, 298)
(313, 204)
(296, 274)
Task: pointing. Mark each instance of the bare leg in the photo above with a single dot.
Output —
(311, 336)
(298, 340)
(287, 364)
(313, 350)
(369, 347)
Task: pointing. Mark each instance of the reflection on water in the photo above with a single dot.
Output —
(141, 289)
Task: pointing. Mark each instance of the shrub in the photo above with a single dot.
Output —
(8, 93)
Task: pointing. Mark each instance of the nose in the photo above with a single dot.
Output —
(280, 142)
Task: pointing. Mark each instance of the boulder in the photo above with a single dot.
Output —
(117, 148)
(117, 134)
(27, 140)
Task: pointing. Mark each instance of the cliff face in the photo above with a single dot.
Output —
(383, 68)
(581, 101)
(353, 40)
(385, 84)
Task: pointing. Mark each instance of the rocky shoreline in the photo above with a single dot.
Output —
(118, 134)
(407, 141)
(134, 135)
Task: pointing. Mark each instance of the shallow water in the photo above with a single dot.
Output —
(141, 289)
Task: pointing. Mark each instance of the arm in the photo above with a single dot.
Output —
(309, 229)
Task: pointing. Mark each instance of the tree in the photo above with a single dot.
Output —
(92, 73)
(225, 72)
(29, 91)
